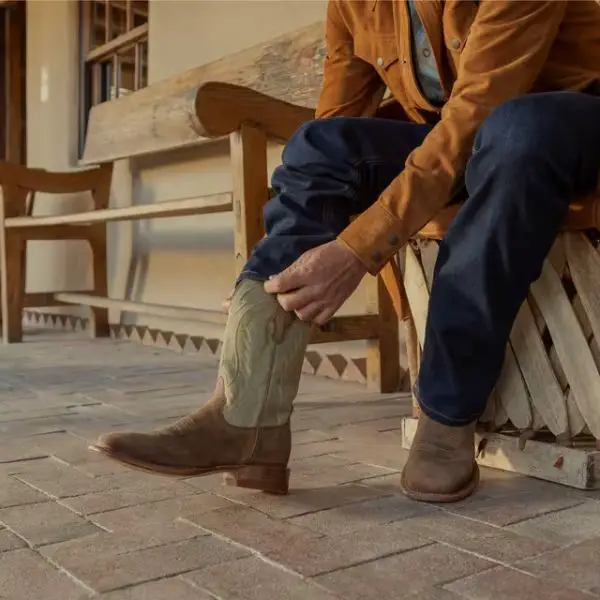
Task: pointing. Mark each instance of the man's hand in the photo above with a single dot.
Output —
(318, 283)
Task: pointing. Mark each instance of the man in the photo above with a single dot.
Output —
(503, 108)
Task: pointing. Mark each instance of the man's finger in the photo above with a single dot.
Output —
(297, 299)
(309, 312)
(226, 305)
(286, 281)
(323, 317)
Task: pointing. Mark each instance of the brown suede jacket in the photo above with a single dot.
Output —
(487, 52)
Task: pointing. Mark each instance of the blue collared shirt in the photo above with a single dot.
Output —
(426, 69)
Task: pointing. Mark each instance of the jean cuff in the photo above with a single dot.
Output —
(250, 275)
(438, 417)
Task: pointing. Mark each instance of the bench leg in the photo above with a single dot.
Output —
(99, 323)
(248, 152)
(14, 256)
(383, 353)
(413, 352)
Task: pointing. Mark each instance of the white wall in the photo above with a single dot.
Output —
(52, 92)
(188, 33)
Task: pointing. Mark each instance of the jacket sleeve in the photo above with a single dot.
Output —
(351, 87)
(503, 55)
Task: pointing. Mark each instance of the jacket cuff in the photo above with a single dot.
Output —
(374, 237)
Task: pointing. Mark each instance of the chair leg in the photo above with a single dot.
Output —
(13, 277)
(413, 351)
(99, 323)
(383, 353)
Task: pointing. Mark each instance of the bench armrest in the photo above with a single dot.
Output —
(221, 109)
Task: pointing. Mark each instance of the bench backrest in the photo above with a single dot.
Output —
(163, 116)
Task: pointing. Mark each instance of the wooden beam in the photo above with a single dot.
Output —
(248, 150)
(41, 300)
(3, 83)
(338, 329)
(15, 70)
(222, 108)
(165, 115)
(383, 353)
(216, 203)
(56, 232)
(40, 180)
(347, 328)
(182, 313)
(123, 41)
(583, 214)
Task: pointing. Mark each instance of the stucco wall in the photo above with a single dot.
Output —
(52, 78)
(181, 261)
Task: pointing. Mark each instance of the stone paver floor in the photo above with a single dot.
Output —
(74, 525)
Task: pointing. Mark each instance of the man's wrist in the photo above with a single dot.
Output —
(373, 237)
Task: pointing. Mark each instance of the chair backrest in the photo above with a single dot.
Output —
(163, 116)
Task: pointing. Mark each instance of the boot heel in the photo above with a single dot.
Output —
(271, 480)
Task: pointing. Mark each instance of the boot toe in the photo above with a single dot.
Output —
(436, 479)
(125, 444)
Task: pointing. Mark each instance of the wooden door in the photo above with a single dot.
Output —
(13, 81)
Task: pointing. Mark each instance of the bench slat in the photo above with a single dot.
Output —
(42, 299)
(215, 203)
(165, 115)
(183, 313)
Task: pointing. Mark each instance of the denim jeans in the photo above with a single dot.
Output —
(531, 157)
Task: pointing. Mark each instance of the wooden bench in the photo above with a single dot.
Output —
(260, 94)
(543, 418)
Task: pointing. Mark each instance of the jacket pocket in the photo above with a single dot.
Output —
(380, 51)
(459, 16)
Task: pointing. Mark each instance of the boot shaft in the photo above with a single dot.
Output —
(261, 360)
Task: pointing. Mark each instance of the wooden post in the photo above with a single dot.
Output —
(13, 249)
(383, 353)
(13, 287)
(14, 83)
(99, 325)
(248, 148)
(413, 351)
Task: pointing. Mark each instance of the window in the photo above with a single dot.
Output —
(114, 52)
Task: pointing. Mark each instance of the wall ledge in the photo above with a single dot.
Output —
(333, 366)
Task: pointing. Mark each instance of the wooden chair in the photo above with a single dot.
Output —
(543, 418)
(19, 186)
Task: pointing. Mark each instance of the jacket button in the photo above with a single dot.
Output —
(456, 44)
(380, 62)
(394, 240)
(377, 257)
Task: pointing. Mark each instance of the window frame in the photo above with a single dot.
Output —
(92, 57)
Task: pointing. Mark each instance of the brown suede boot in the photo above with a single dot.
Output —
(244, 429)
(441, 464)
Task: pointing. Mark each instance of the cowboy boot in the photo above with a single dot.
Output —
(441, 463)
(244, 429)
